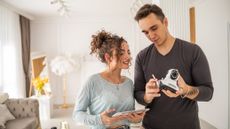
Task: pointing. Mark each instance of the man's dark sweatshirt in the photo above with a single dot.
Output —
(166, 112)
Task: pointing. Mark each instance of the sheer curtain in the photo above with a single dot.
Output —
(11, 69)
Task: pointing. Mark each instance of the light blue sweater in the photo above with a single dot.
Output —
(99, 95)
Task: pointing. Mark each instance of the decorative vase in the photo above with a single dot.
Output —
(39, 93)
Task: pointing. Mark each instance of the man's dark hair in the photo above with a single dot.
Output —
(147, 9)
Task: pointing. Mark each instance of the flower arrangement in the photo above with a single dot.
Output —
(39, 84)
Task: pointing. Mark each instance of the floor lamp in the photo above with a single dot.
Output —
(61, 66)
(64, 105)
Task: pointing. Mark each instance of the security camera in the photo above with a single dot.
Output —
(170, 81)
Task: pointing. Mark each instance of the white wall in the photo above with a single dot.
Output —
(211, 30)
(177, 13)
(55, 36)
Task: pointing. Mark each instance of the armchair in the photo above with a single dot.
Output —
(26, 112)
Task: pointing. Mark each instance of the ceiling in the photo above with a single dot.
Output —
(43, 8)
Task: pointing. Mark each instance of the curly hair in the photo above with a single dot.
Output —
(104, 42)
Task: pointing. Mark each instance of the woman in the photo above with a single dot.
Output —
(108, 92)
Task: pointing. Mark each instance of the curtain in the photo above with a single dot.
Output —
(25, 39)
(11, 71)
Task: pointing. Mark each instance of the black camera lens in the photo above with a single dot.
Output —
(174, 74)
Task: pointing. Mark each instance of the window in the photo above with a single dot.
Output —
(11, 70)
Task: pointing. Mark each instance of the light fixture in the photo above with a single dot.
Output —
(61, 66)
(137, 4)
(63, 9)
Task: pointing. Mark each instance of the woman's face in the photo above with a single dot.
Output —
(124, 61)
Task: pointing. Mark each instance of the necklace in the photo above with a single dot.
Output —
(117, 86)
(115, 82)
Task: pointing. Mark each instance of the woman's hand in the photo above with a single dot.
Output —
(135, 117)
(107, 120)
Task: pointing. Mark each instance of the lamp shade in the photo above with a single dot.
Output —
(61, 65)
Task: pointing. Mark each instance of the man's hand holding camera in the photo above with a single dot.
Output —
(173, 86)
(183, 89)
(186, 90)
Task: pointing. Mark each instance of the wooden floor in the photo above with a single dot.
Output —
(60, 115)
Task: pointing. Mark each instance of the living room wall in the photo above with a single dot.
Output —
(55, 36)
(212, 17)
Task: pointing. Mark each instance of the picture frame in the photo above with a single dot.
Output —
(39, 68)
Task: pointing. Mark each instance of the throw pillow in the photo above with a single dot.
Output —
(5, 115)
(3, 97)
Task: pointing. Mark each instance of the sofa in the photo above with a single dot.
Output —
(26, 113)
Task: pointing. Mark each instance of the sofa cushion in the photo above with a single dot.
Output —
(5, 115)
(3, 97)
(22, 123)
(22, 108)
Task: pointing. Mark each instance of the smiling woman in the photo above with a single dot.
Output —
(107, 92)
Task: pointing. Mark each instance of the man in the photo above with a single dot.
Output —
(169, 110)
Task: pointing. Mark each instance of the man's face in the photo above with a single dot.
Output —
(154, 29)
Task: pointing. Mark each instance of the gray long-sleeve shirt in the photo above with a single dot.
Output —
(173, 113)
(99, 95)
